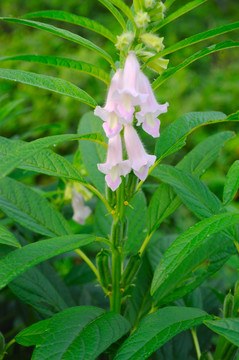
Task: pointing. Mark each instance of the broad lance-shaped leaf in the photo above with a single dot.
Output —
(156, 329)
(48, 83)
(195, 39)
(16, 157)
(44, 162)
(169, 267)
(7, 238)
(41, 288)
(114, 12)
(232, 183)
(164, 201)
(74, 19)
(17, 261)
(181, 11)
(193, 193)
(64, 34)
(191, 190)
(136, 229)
(34, 334)
(203, 262)
(173, 138)
(92, 331)
(198, 55)
(30, 209)
(72, 64)
(229, 328)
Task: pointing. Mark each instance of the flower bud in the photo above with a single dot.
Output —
(149, 3)
(158, 65)
(157, 13)
(124, 40)
(142, 19)
(153, 41)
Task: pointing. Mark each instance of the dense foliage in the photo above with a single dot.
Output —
(126, 277)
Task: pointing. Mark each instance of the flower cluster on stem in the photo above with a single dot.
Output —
(130, 97)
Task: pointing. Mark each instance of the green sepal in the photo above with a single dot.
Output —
(102, 261)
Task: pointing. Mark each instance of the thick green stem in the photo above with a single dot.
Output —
(115, 297)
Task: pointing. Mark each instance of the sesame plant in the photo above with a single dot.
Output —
(130, 290)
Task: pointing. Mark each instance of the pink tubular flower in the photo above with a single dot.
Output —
(114, 166)
(139, 159)
(81, 212)
(150, 110)
(112, 121)
(129, 94)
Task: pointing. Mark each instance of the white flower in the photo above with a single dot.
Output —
(112, 121)
(114, 166)
(140, 161)
(150, 110)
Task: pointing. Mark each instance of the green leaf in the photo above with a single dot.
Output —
(35, 289)
(92, 331)
(18, 261)
(81, 66)
(229, 328)
(204, 261)
(195, 39)
(92, 154)
(136, 217)
(200, 200)
(138, 304)
(156, 329)
(34, 334)
(164, 201)
(124, 8)
(173, 138)
(64, 34)
(171, 269)
(17, 156)
(181, 11)
(74, 19)
(115, 13)
(168, 3)
(7, 238)
(198, 55)
(102, 221)
(7, 109)
(44, 162)
(48, 83)
(232, 183)
(30, 209)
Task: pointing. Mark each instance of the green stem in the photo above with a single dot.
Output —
(100, 196)
(196, 343)
(6, 348)
(89, 262)
(115, 297)
(145, 243)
